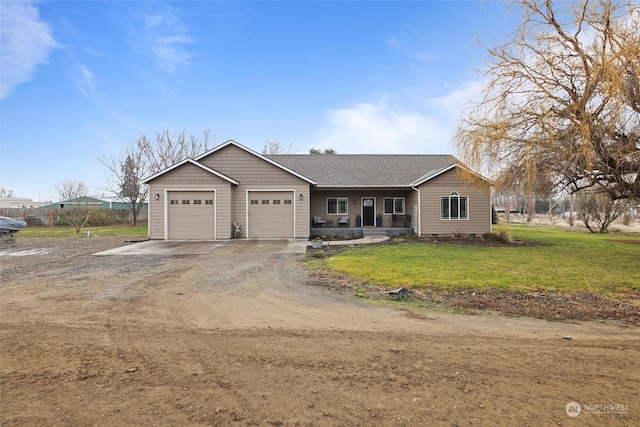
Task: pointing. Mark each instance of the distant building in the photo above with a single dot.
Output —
(19, 203)
(89, 202)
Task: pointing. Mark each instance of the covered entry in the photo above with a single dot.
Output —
(368, 211)
(270, 214)
(190, 215)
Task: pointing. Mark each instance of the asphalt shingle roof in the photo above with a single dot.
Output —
(362, 170)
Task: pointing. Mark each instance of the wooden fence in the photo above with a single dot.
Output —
(50, 217)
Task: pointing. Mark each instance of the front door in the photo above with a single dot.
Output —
(368, 211)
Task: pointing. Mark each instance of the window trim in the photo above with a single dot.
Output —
(338, 199)
(393, 210)
(453, 196)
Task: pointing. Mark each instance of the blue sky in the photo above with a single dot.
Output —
(83, 79)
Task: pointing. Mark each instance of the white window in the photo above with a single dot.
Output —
(454, 206)
(394, 205)
(337, 205)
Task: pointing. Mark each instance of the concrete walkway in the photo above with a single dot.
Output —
(300, 246)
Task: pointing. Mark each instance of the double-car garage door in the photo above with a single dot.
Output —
(191, 215)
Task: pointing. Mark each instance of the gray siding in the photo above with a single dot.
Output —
(479, 221)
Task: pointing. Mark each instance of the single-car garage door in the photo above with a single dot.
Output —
(271, 214)
(191, 215)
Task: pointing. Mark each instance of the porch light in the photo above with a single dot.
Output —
(301, 197)
(354, 201)
(157, 196)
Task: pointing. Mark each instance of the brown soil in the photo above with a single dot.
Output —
(219, 339)
(541, 303)
(628, 242)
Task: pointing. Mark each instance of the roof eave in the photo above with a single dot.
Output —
(432, 174)
(195, 163)
(260, 156)
(408, 186)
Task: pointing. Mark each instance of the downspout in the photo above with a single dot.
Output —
(490, 210)
(418, 222)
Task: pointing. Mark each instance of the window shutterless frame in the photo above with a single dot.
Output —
(337, 206)
(454, 207)
(394, 205)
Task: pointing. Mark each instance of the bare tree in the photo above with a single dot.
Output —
(145, 157)
(562, 99)
(78, 213)
(168, 149)
(71, 189)
(598, 211)
(6, 193)
(274, 147)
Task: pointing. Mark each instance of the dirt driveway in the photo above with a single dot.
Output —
(243, 339)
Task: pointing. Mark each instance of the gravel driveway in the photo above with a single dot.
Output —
(222, 337)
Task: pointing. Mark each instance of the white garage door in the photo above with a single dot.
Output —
(191, 215)
(271, 214)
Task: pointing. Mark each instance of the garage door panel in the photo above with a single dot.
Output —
(191, 215)
(271, 214)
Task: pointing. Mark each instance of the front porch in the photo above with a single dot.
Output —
(356, 232)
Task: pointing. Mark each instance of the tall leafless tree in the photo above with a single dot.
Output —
(562, 101)
(145, 157)
(71, 189)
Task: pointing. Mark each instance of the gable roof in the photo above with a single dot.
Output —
(258, 155)
(435, 173)
(193, 162)
(345, 170)
(366, 170)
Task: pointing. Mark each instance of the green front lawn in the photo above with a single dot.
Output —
(553, 259)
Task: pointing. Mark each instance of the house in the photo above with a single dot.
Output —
(285, 196)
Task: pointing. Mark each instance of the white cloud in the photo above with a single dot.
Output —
(26, 43)
(453, 103)
(163, 34)
(86, 82)
(378, 127)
